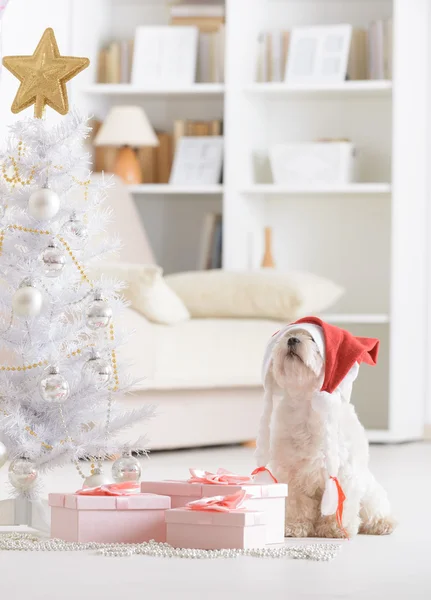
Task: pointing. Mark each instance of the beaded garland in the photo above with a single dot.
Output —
(17, 541)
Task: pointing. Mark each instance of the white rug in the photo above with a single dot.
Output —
(393, 567)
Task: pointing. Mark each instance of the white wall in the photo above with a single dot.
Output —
(23, 24)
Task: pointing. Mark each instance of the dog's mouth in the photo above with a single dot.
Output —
(292, 355)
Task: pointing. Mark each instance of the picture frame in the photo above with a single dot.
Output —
(198, 161)
(319, 54)
(164, 56)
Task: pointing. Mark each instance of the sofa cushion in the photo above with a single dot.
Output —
(146, 291)
(264, 294)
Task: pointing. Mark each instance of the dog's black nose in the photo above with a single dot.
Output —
(292, 342)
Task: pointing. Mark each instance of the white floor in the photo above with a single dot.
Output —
(393, 567)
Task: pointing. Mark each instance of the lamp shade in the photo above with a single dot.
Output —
(126, 126)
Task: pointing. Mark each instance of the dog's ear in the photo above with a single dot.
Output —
(346, 385)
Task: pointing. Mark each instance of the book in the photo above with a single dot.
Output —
(147, 156)
(179, 131)
(197, 128)
(124, 61)
(215, 127)
(379, 53)
(113, 66)
(164, 157)
(197, 10)
(204, 24)
(204, 58)
(387, 51)
(276, 56)
(357, 64)
(272, 52)
(216, 251)
(211, 241)
(101, 65)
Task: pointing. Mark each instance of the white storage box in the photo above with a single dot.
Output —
(312, 164)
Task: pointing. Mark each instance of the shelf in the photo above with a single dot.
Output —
(162, 188)
(271, 189)
(366, 319)
(370, 88)
(127, 89)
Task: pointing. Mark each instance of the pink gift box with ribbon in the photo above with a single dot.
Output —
(264, 495)
(215, 523)
(109, 518)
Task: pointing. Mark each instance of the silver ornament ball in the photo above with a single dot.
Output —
(27, 300)
(126, 468)
(99, 313)
(96, 479)
(97, 369)
(43, 204)
(22, 473)
(54, 387)
(3, 454)
(53, 260)
(75, 231)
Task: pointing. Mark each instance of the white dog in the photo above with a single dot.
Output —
(313, 439)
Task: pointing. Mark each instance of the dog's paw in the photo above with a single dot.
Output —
(299, 530)
(327, 527)
(383, 526)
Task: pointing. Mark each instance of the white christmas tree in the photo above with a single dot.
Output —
(59, 329)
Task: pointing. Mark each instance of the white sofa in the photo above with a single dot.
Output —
(203, 375)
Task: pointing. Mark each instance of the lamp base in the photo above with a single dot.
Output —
(127, 166)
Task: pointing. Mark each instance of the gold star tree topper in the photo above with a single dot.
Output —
(43, 76)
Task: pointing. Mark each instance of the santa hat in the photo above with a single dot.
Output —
(342, 353)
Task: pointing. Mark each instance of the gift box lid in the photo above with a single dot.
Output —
(237, 518)
(199, 490)
(254, 490)
(130, 502)
(172, 487)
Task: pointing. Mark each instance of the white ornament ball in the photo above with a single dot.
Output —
(43, 204)
(76, 232)
(99, 313)
(54, 387)
(53, 260)
(3, 454)
(126, 468)
(96, 479)
(22, 473)
(97, 369)
(27, 301)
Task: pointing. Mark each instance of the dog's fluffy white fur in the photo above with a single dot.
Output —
(296, 455)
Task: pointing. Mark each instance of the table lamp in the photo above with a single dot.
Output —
(129, 128)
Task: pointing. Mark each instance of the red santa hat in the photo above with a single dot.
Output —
(342, 353)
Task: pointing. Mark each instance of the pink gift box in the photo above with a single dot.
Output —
(210, 530)
(107, 519)
(267, 498)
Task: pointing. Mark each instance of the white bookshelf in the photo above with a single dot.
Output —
(270, 189)
(127, 89)
(167, 189)
(347, 88)
(368, 236)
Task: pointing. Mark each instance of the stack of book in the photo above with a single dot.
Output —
(380, 49)
(210, 256)
(272, 55)
(183, 127)
(114, 63)
(370, 55)
(209, 19)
